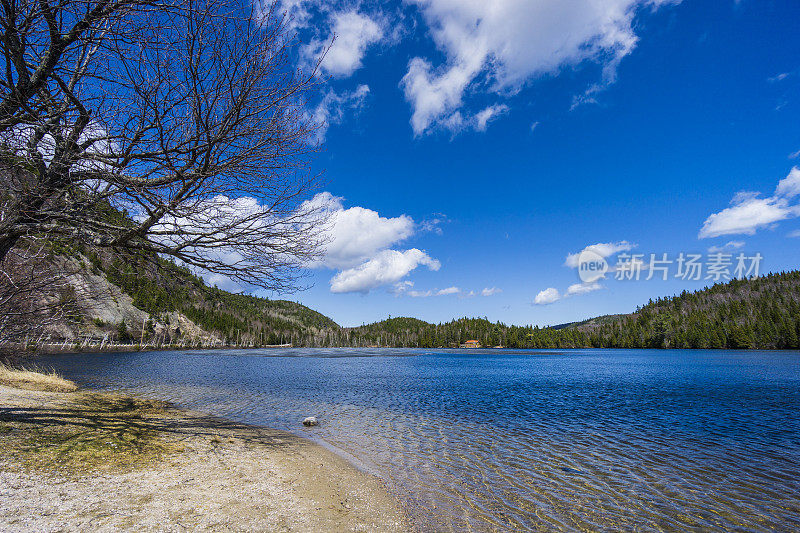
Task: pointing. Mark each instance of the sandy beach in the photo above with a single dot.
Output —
(77, 461)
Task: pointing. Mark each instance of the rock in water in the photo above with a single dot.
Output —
(310, 421)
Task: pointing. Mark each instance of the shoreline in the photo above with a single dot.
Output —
(171, 469)
(21, 355)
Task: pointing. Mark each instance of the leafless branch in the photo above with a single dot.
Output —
(188, 116)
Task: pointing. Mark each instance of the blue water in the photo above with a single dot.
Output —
(504, 439)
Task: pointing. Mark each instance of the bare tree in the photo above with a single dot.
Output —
(175, 128)
(35, 293)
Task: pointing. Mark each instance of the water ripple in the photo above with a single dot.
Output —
(503, 440)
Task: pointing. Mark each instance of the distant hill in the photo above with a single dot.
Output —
(155, 300)
(757, 313)
(591, 321)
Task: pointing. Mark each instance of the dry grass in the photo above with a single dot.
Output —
(83, 431)
(32, 380)
(89, 433)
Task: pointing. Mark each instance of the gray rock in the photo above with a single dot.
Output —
(310, 421)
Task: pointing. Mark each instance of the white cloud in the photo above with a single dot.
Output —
(745, 217)
(547, 296)
(333, 105)
(447, 291)
(297, 11)
(534, 125)
(604, 249)
(352, 33)
(457, 122)
(503, 44)
(214, 214)
(433, 224)
(789, 187)
(386, 268)
(482, 118)
(794, 155)
(794, 234)
(401, 287)
(749, 212)
(432, 96)
(779, 77)
(730, 245)
(583, 288)
(199, 229)
(551, 294)
(358, 242)
(420, 294)
(405, 288)
(357, 234)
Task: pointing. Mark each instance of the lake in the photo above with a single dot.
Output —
(494, 440)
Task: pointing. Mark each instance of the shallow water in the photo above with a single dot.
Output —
(507, 439)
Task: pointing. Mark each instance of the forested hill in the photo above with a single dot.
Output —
(757, 313)
(168, 304)
(136, 299)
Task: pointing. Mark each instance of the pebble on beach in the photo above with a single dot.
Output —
(310, 421)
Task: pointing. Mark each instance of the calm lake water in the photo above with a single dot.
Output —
(505, 439)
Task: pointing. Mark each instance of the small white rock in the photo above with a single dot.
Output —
(310, 421)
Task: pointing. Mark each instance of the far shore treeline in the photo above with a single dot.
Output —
(760, 313)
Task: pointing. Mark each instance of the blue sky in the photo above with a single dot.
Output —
(472, 145)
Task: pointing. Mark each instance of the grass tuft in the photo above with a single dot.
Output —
(33, 380)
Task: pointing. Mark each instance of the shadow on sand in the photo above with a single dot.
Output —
(81, 431)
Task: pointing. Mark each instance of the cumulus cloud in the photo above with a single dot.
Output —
(358, 242)
(352, 33)
(338, 39)
(201, 229)
(506, 43)
(547, 296)
(583, 288)
(746, 217)
(385, 268)
(749, 212)
(603, 249)
(357, 234)
(789, 187)
(551, 294)
(490, 291)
